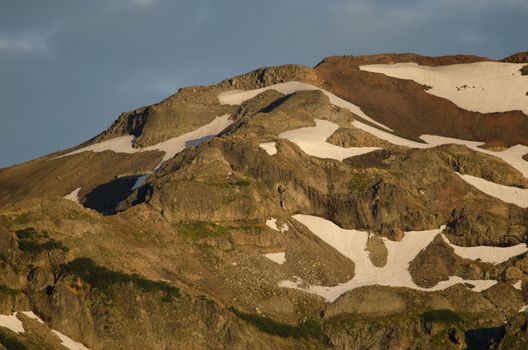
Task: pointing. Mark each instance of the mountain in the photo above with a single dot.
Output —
(370, 202)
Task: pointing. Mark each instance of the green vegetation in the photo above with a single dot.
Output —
(5, 290)
(206, 299)
(31, 241)
(30, 233)
(3, 259)
(10, 342)
(199, 229)
(441, 316)
(23, 218)
(360, 183)
(308, 329)
(103, 279)
(232, 182)
(36, 247)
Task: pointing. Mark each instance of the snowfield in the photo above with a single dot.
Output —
(506, 194)
(312, 140)
(484, 87)
(171, 147)
(352, 244)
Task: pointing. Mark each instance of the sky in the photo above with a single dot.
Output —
(68, 68)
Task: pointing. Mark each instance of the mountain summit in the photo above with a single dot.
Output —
(370, 202)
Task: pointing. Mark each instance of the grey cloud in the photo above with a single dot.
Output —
(25, 43)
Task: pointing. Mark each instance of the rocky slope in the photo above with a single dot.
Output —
(289, 207)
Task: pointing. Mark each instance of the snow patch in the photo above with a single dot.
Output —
(517, 285)
(484, 87)
(121, 144)
(506, 194)
(524, 309)
(73, 196)
(12, 323)
(270, 147)
(493, 255)
(312, 140)
(68, 342)
(177, 144)
(278, 258)
(171, 147)
(140, 181)
(352, 244)
(32, 315)
(272, 223)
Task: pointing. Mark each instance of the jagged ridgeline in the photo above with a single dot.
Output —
(370, 202)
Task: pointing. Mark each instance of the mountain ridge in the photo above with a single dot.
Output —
(228, 213)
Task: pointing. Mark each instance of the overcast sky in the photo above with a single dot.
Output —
(68, 68)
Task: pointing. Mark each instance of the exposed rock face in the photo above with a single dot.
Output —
(180, 252)
(183, 112)
(407, 108)
(519, 57)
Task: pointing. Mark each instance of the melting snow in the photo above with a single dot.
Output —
(506, 194)
(484, 87)
(73, 196)
(352, 244)
(524, 309)
(270, 147)
(312, 140)
(171, 147)
(12, 323)
(175, 145)
(121, 144)
(32, 315)
(140, 181)
(279, 258)
(69, 343)
(517, 285)
(493, 255)
(272, 223)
